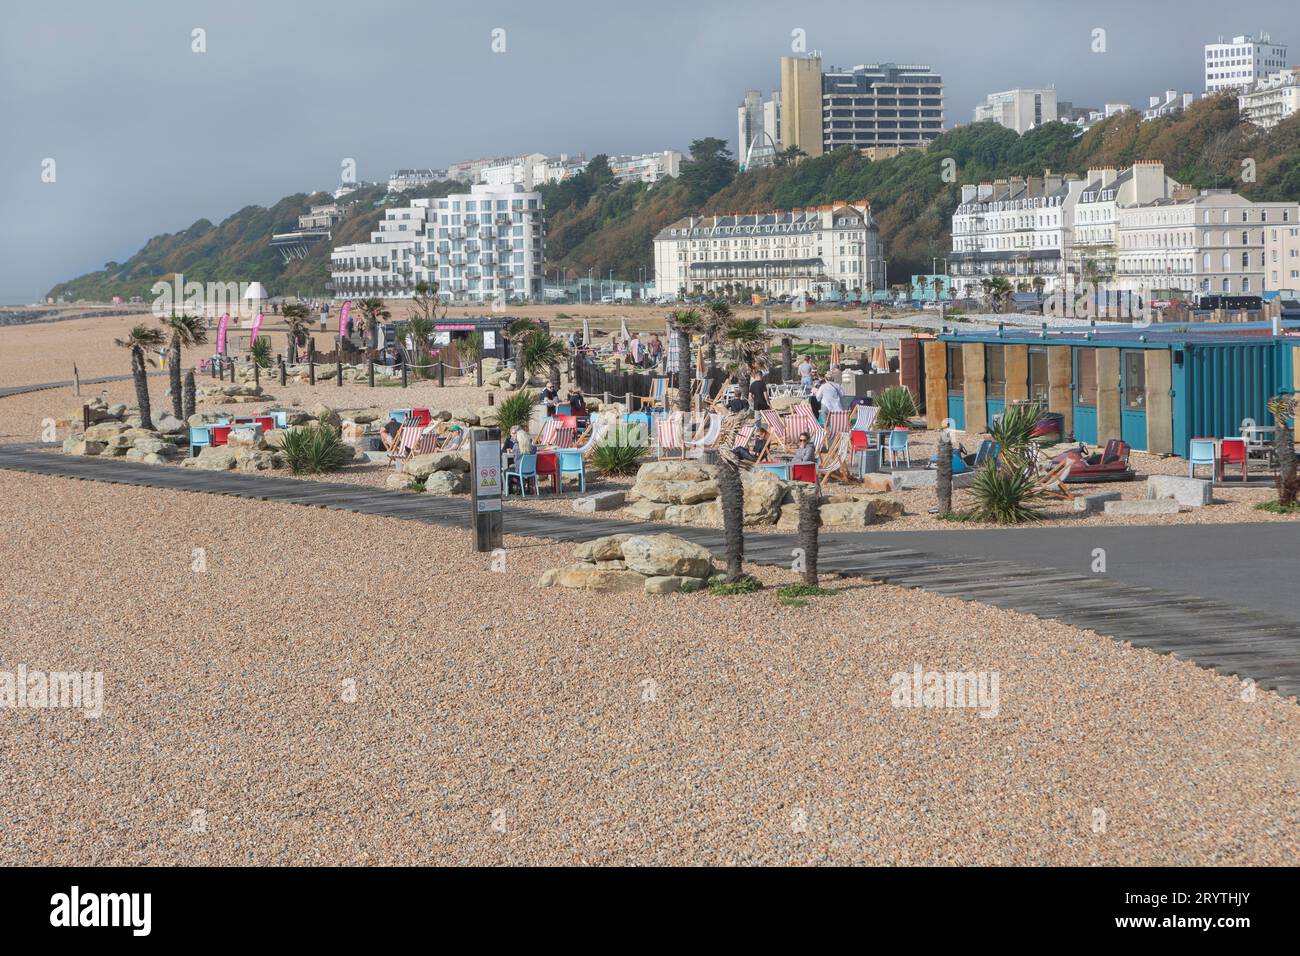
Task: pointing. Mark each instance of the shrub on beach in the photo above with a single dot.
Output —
(1003, 497)
(516, 409)
(894, 408)
(617, 458)
(310, 451)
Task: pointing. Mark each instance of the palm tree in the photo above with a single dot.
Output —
(810, 519)
(540, 350)
(787, 324)
(374, 311)
(732, 495)
(296, 317)
(140, 339)
(684, 322)
(999, 291)
(716, 321)
(185, 330)
(514, 334)
(749, 338)
(1283, 408)
(471, 350)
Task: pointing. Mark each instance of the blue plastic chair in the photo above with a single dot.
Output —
(571, 463)
(1201, 452)
(281, 419)
(525, 468)
(399, 414)
(780, 469)
(200, 436)
(898, 439)
(563, 408)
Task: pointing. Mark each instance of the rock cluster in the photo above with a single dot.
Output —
(686, 492)
(649, 563)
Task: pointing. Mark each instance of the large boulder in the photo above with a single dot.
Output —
(675, 471)
(648, 510)
(764, 493)
(80, 446)
(326, 415)
(213, 458)
(398, 481)
(608, 548)
(105, 430)
(254, 460)
(588, 577)
(154, 446)
(706, 513)
(168, 424)
(848, 514)
(422, 466)
(666, 554)
(675, 482)
(446, 483)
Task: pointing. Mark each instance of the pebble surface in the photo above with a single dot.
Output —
(339, 688)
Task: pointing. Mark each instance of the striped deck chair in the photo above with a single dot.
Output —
(837, 423)
(836, 458)
(803, 416)
(596, 429)
(668, 435)
(864, 418)
(775, 427)
(454, 440)
(546, 435)
(708, 434)
(658, 395)
(564, 437)
(427, 441)
(1052, 482)
(743, 438)
(407, 436)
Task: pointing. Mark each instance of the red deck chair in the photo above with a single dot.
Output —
(419, 416)
(220, 434)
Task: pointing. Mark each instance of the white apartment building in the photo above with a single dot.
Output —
(1272, 99)
(1242, 63)
(811, 251)
(404, 179)
(1018, 228)
(1020, 110)
(1096, 215)
(1172, 102)
(386, 265)
(1282, 255)
(481, 246)
(647, 167)
(486, 245)
(1212, 241)
(529, 170)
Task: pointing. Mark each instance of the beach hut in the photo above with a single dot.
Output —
(1155, 388)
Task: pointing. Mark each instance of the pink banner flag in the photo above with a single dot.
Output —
(221, 333)
(257, 325)
(345, 324)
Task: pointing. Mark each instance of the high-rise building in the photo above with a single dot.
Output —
(872, 104)
(486, 245)
(1019, 110)
(1242, 63)
(749, 124)
(801, 103)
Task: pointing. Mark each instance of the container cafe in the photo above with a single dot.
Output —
(1156, 388)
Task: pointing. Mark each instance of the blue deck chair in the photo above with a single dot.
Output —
(525, 468)
(570, 462)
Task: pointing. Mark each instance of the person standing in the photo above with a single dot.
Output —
(829, 394)
(634, 349)
(806, 375)
(758, 392)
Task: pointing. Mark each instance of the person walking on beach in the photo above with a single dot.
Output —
(758, 392)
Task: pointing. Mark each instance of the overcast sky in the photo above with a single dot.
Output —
(148, 136)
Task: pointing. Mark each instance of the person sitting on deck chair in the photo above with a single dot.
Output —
(757, 445)
(805, 453)
(577, 406)
(388, 434)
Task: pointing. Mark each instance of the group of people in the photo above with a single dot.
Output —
(550, 397)
(645, 354)
(823, 391)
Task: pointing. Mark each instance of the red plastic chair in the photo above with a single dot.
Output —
(220, 434)
(567, 421)
(548, 463)
(1232, 451)
(859, 441)
(804, 471)
(420, 416)
(266, 421)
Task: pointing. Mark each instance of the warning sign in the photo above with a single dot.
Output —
(487, 457)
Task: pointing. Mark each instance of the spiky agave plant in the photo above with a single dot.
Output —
(315, 450)
(516, 409)
(894, 407)
(1003, 497)
(1014, 433)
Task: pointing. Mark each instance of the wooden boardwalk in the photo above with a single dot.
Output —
(1228, 638)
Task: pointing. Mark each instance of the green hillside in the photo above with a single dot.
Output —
(594, 223)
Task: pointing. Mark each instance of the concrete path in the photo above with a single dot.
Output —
(1164, 588)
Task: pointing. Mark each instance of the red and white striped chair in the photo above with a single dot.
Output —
(802, 419)
(837, 423)
(864, 418)
(546, 435)
(565, 437)
(668, 435)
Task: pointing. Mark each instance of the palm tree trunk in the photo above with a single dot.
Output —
(174, 375)
(810, 519)
(684, 367)
(141, 387)
(1284, 449)
(732, 494)
(943, 484)
(555, 375)
(787, 358)
(187, 393)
